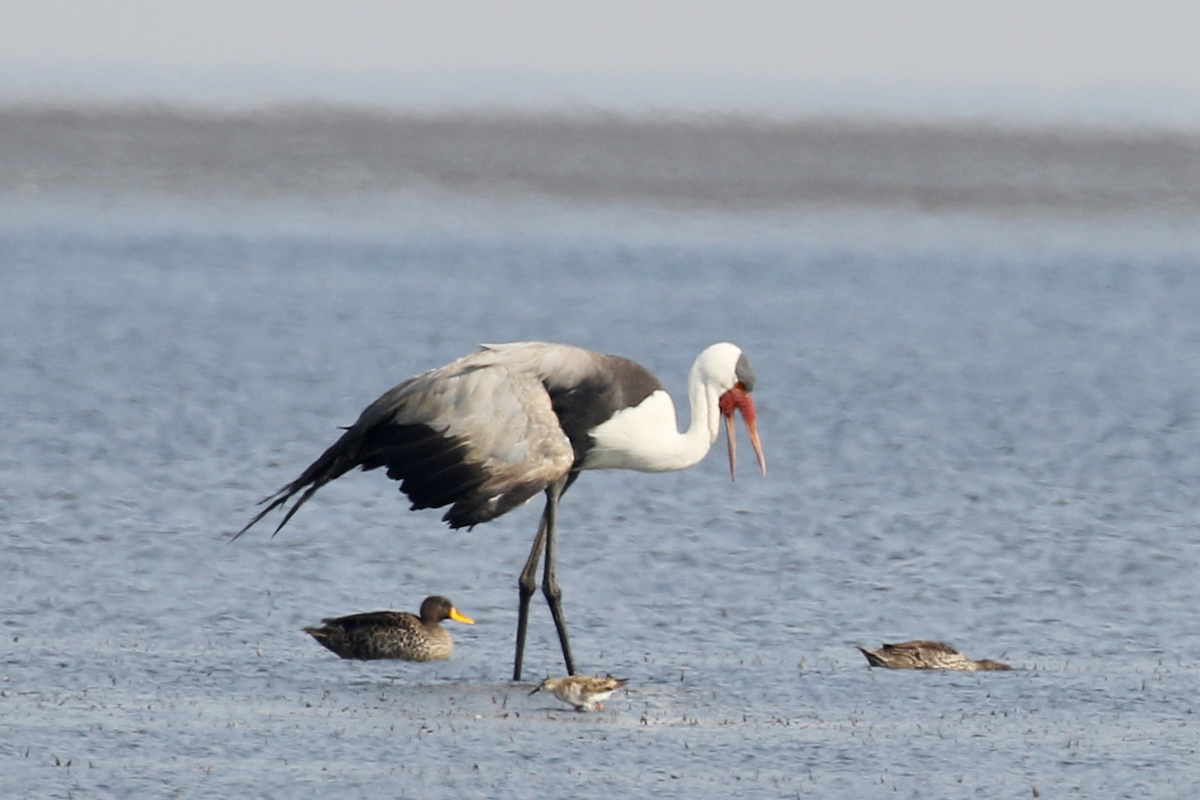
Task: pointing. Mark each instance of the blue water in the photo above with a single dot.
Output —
(980, 429)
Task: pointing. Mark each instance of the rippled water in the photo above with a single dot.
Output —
(983, 429)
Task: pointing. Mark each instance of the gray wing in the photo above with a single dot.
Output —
(480, 435)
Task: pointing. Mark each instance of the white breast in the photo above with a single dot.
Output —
(644, 437)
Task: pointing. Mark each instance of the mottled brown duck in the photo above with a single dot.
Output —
(923, 654)
(392, 634)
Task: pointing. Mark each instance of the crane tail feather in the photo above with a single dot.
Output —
(333, 463)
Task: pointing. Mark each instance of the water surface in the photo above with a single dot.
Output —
(982, 426)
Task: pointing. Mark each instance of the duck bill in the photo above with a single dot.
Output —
(739, 399)
(457, 617)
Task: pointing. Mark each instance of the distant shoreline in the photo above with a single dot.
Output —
(734, 162)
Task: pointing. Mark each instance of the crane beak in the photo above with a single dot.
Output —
(738, 398)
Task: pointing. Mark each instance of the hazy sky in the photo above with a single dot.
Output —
(1014, 46)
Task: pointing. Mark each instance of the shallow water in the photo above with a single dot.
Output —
(983, 429)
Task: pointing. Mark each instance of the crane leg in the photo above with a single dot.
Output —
(526, 585)
(550, 586)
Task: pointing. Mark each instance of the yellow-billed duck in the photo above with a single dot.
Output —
(392, 634)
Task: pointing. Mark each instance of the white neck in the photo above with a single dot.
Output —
(646, 437)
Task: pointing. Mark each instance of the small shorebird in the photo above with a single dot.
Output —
(392, 634)
(923, 654)
(585, 692)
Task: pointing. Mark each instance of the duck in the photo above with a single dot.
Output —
(924, 654)
(392, 634)
(584, 692)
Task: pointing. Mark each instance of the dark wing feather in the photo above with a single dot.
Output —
(373, 620)
(479, 434)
